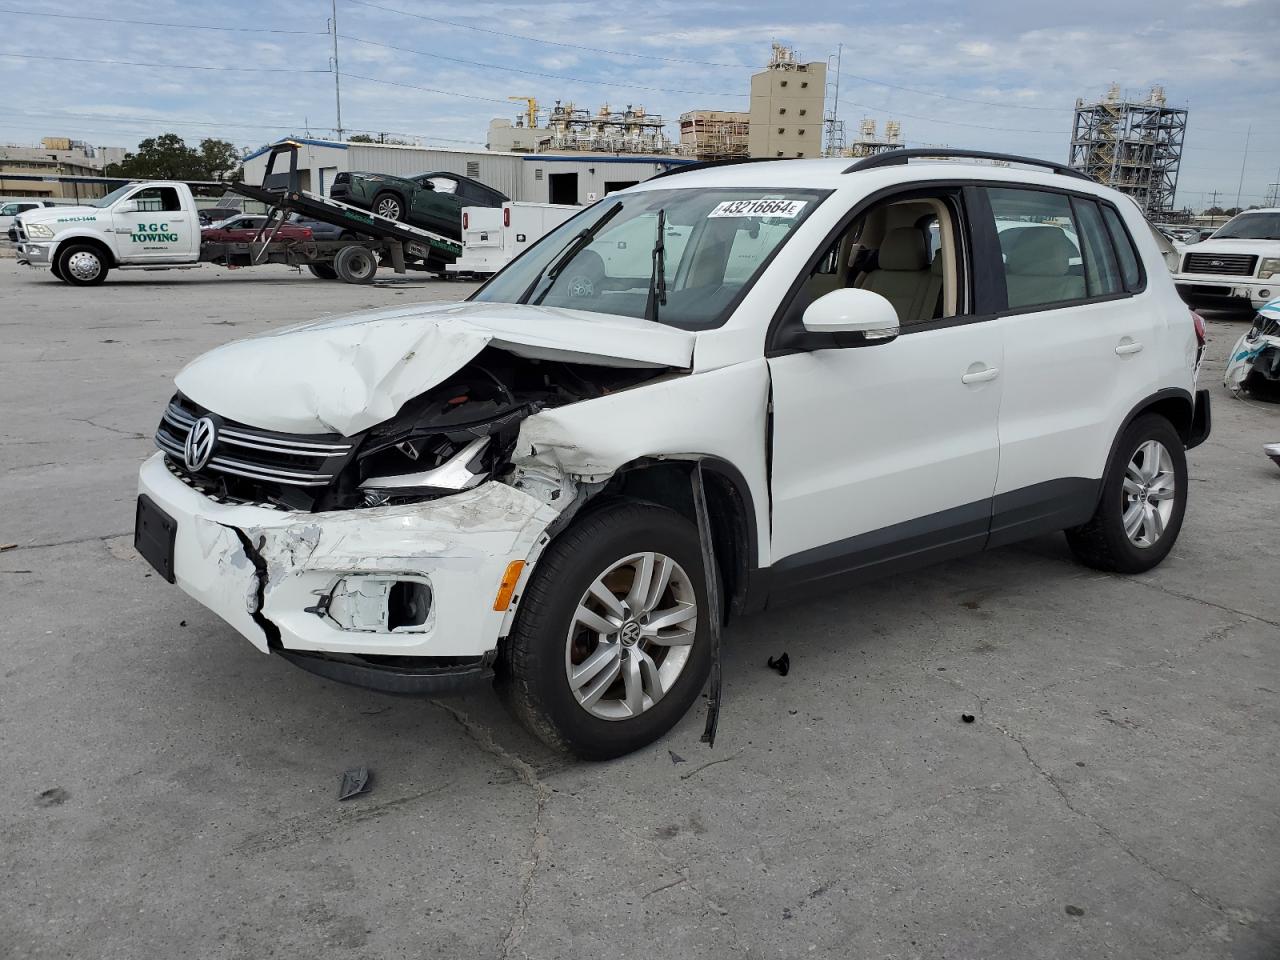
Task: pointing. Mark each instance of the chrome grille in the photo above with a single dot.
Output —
(1222, 264)
(253, 454)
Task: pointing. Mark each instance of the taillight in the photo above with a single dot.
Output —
(506, 216)
(464, 220)
(1200, 327)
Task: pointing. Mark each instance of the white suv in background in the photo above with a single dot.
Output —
(1239, 266)
(722, 389)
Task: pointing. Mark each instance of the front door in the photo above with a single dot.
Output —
(885, 456)
(159, 229)
(437, 206)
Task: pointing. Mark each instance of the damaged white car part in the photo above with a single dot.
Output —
(1254, 364)
(713, 392)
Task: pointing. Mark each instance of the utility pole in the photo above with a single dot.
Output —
(1243, 161)
(337, 87)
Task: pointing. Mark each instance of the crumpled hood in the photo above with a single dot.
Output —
(343, 375)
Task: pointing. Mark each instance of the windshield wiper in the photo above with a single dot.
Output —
(571, 250)
(658, 278)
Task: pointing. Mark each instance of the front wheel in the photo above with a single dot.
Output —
(611, 641)
(53, 268)
(1144, 498)
(82, 265)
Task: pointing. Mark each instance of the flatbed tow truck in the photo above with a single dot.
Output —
(153, 226)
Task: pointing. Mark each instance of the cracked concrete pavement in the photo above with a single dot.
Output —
(170, 791)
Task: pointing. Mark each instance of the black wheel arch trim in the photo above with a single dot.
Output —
(1185, 430)
(745, 594)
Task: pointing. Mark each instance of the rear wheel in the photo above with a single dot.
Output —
(1144, 498)
(355, 264)
(82, 265)
(322, 271)
(389, 205)
(610, 645)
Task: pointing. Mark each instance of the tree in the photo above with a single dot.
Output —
(380, 138)
(361, 138)
(167, 157)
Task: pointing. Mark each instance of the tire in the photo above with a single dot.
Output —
(53, 268)
(322, 271)
(1104, 543)
(390, 205)
(82, 265)
(355, 264)
(548, 639)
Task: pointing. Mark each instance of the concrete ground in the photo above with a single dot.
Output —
(169, 791)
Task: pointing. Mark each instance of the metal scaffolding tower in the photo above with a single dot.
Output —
(1133, 146)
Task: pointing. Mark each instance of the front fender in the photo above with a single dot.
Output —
(721, 414)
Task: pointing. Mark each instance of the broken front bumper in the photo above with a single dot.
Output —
(319, 588)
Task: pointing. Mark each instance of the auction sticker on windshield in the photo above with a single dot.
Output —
(787, 209)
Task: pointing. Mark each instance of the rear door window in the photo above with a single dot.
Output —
(1130, 265)
(1102, 274)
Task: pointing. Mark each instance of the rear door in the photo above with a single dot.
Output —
(1080, 350)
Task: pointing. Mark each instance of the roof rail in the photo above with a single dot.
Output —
(708, 164)
(891, 158)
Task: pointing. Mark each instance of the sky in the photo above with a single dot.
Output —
(991, 74)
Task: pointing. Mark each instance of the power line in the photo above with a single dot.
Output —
(553, 43)
(159, 23)
(161, 66)
(945, 96)
(533, 73)
(414, 86)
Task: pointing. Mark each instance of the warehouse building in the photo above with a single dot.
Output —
(537, 178)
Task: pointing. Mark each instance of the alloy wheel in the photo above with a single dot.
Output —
(631, 636)
(1148, 490)
(389, 207)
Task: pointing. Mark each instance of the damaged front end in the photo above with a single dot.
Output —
(392, 558)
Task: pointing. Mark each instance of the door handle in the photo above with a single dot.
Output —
(984, 375)
(1128, 347)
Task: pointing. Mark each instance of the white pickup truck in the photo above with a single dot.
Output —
(141, 225)
(1239, 266)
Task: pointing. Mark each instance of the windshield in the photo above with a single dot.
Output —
(111, 197)
(716, 241)
(1251, 226)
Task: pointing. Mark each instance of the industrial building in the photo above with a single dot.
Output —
(715, 134)
(572, 129)
(785, 118)
(1134, 146)
(787, 99)
(869, 143)
(535, 177)
(58, 168)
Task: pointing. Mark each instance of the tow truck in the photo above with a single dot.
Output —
(153, 225)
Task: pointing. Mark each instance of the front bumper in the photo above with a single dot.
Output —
(1203, 290)
(35, 254)
(266, 572)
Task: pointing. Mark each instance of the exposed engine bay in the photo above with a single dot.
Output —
(456, 435)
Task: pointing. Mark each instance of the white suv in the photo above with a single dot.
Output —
(718, 390)
(1239, 266)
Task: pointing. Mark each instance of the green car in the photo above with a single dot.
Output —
(433, 201)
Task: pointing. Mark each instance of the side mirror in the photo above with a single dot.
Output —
(128, 206)
(867, 315)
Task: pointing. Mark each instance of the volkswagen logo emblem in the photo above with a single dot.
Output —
(200, 443)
